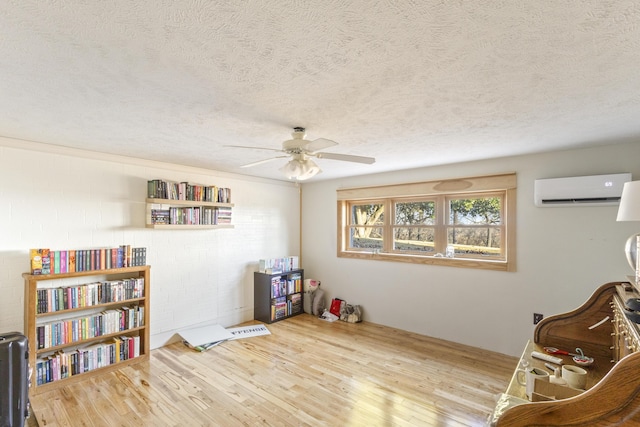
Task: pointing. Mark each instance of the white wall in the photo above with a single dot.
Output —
(563, 254)
(68, 199)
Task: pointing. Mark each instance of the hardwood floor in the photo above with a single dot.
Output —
(308, 372)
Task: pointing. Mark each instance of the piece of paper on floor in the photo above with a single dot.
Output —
(248, 331)
(205, 335)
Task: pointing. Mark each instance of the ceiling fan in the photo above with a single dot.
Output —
(300, 150)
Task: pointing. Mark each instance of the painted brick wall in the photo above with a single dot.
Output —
(198, 277)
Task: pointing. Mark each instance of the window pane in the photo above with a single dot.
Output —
(367, 214)
(484, 210)
(475, 240)
(414, 239)
(415, 213)
(365, 237)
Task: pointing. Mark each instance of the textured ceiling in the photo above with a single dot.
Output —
(411, 83)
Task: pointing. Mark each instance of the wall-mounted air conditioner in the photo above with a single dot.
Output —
(594, 190)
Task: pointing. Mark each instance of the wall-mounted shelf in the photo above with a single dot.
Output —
(187, 202)
(189, 214)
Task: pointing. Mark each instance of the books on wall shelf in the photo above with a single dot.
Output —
(169, 190)
(278, 265)
(181, 204)
(46, 261)
(192, 215)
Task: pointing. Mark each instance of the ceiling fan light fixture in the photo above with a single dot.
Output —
(300, 169)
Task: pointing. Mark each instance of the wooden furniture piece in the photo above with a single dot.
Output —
(56, 336)
(612, 395)
(188, 206)
(277, 296)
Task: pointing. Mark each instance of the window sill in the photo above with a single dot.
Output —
(495, 265)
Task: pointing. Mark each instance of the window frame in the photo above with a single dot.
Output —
(442, 191)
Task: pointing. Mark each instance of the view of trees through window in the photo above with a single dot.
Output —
(414, 228)
(367, 220)
(469, 225)
(459, 222)
(474, 225)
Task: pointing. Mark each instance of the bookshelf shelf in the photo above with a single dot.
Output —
(91, 307)
(277, 296)
(153, 200)
(188, 226)
(82, 342)
(56, 343)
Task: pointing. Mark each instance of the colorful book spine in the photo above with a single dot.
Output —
(61, 365)
(63, 262)
(36, 256)
(46, 261)
(56, 256)
(72, 261)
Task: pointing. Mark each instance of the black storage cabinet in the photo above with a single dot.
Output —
(277, 296)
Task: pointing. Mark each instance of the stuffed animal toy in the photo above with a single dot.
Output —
(309, 287)
(318, 304)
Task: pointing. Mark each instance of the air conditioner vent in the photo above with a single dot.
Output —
(593, 190)
(586, 200)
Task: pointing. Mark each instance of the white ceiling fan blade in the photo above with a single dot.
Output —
(346, 158)
(254, 148)
(319, 144)
(259, 162)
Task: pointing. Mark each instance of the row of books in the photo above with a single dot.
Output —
(86, 295)
(223, 215)
(170, 190)
(278, 265)
(279, 308)
(46, 261)
(196, 215)
(281, 285)
(294, 304)
(282, 307)
(68, 331)
(62, 365)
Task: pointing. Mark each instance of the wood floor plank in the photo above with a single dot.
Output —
(308, 372)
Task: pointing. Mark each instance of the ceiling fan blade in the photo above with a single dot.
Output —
(254, 148)
(319, 144)
(259, 162)
(346, 158)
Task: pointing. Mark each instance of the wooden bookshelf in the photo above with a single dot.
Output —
(38, 318)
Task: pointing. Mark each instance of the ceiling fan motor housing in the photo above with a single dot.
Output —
(295, 145)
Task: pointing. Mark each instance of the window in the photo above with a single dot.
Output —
(368, 220)
(464, 223)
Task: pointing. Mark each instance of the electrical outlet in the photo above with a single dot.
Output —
(537, 317)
